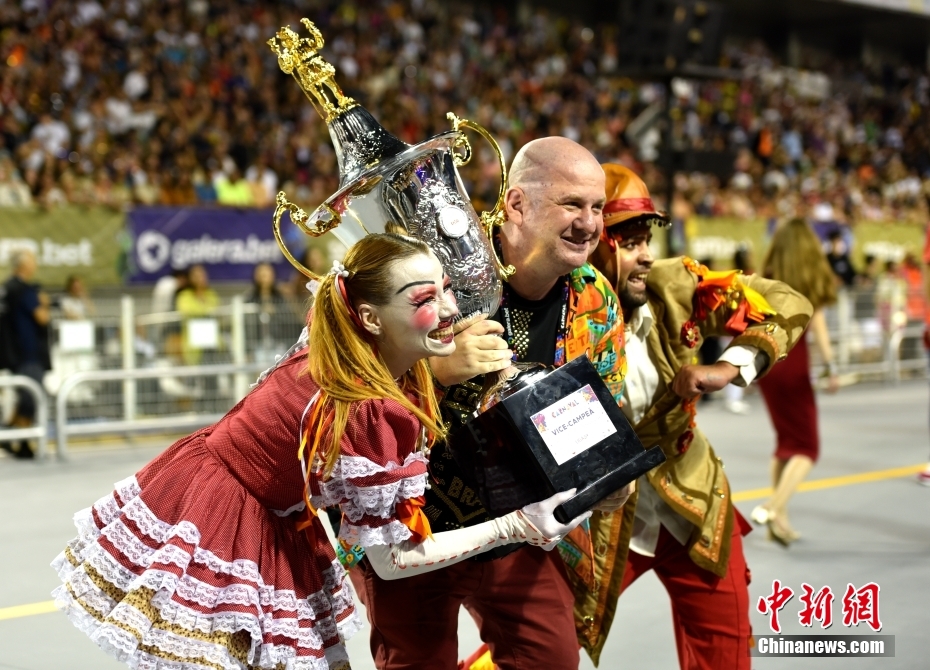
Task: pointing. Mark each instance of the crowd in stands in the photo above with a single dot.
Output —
(181, 102)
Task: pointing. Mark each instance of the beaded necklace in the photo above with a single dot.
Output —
(516, 326)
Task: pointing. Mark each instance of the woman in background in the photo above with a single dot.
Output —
(195, 301)
(796, 258)
(273, 326)
(75, 303)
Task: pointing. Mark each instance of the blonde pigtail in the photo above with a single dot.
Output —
(343, 360)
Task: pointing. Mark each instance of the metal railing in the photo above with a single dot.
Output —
(131, 372)
(120, 335)
(899, 364)
(874, 335)
(39, 431)
(134, 424)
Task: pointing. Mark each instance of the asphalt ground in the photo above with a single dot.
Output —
(863, 519)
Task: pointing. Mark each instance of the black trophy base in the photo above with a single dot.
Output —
(548, 433)
(592, 494)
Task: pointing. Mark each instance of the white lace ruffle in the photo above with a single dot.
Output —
(334, 597)
(157, 529)
(107, 509)
(144, 556)
(83, 588)
(130, 546)
(379, 500)
(323, 608)
(127, 489)
(114, 637)
(368, 536)
(124, 646)
(299, 507)
(333, 600)
(354, 467)
(301, 344)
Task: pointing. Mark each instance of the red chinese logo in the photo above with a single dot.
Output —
(861, 606)
(773, 603)
(817, 606)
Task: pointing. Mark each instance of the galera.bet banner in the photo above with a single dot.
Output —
(229, 243)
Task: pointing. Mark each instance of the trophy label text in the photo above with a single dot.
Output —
(573, 424)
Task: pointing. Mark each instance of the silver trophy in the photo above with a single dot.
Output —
(386, 185)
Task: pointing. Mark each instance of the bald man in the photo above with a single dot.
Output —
(556, 307)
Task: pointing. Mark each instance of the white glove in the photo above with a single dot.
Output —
(408, 558)
(617, 499)
(539, 516)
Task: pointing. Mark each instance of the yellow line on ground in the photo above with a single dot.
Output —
(740, 496)
(27, 610)
(833, 482)
(754, 494)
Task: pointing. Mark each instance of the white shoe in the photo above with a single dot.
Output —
(737, 406)
(761, 515)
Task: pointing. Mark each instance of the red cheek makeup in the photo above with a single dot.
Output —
(425, 316)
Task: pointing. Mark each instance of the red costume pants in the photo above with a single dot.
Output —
(710, 614)
(522, 604)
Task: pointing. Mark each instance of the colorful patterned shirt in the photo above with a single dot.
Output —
(595, 312)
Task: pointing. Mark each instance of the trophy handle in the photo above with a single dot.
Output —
(299, 218)
(497, 216)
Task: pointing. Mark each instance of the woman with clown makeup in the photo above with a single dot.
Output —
(213, 556)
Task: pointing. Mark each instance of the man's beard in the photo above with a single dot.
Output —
(629, 300)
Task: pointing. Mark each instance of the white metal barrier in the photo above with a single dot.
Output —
(39, 431)
(869, 342)
(897, 365)
(133, 424)
(872, 337)
(119, 335)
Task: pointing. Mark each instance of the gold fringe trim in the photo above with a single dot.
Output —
(237, 643)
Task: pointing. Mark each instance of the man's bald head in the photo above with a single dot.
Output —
(541, 161)
(554, 206)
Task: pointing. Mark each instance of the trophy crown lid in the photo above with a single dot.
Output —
(299, 56)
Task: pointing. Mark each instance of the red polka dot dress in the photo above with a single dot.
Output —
(196, 562)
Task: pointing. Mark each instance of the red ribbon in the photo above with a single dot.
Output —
(739, 320)
(630, 205)
(345, 298)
